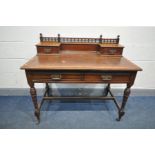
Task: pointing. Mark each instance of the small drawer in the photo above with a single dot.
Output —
(47, 50)
(111, 51)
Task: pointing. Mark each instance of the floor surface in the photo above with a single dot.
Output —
(17, 112)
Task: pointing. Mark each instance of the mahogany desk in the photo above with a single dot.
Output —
(71, 60)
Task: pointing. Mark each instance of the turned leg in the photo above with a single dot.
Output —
(124, 101)
(48, 89)
(34, 100)
(107, 89)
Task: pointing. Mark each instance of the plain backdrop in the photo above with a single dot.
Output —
(17, 45)
(69, 12)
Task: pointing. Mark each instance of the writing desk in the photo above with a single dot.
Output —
(80, 62)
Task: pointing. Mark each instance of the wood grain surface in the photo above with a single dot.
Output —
(68, 60)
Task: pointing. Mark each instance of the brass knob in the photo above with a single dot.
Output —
(112, 51)
(47, 50)
(56, 76)
(106, 77)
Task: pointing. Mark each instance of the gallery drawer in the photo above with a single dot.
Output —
(47, 50)
(111, 51)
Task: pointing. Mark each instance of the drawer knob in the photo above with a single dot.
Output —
(112, 51)
(106, 77)
(47, 50)
(56, 77)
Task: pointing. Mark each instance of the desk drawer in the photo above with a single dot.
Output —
(107, 78)
(56, 77)
(47, 50)
(47, 76)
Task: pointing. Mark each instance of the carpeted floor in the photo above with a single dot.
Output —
(17, 112)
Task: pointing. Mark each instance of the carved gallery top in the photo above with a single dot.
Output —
(80, 54)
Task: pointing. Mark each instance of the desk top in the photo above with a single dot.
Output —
(67, 60)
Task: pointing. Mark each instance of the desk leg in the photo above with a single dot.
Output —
(107, 89)
(125, 98)
(48, 89)
(34, 100)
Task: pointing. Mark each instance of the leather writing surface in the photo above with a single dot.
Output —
(69, 61)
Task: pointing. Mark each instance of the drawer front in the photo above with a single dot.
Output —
(47, 50)
(49, 77)
(111, 51)
(80, 77)
(108, 78)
